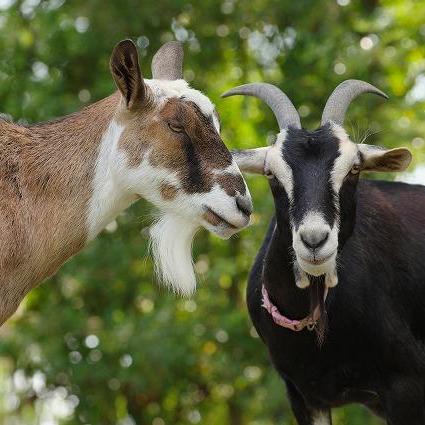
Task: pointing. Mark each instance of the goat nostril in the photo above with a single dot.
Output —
(314, 240)
(244, 204)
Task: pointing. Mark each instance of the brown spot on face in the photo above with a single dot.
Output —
(168, 192)
(231, 183)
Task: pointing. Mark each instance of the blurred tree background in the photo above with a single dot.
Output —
(101, 343)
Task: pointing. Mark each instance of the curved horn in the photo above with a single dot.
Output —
(340, 99)
(279, 103)
(167, 63)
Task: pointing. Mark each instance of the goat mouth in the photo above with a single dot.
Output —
(215, 219)
(318, 261)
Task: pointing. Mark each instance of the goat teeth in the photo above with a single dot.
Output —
(331, 280)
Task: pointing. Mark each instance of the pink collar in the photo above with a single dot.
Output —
(308, 322)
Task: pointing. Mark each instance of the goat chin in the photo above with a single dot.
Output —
(171, 240)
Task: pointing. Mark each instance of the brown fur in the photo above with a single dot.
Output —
(231, 184)
(125, 69)
(211, 218)
(168, 192)
(45, 189)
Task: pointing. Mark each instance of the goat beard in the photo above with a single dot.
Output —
(317, 299)
(171, 239)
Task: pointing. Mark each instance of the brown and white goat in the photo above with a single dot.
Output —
(62, 182)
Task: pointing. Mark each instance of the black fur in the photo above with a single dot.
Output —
(195, 176)
(374, 351)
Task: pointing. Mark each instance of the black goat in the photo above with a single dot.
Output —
(331, 227)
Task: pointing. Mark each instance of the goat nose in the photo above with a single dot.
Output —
(244, 204)
(314, 240)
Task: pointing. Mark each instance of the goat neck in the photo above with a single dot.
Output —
(279, 280)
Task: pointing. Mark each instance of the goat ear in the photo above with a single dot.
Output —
(379, 159)
(251, 160)
(124, 65)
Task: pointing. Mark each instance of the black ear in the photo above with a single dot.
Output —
(124, 65)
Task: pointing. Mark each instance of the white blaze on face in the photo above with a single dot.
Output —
(279, 167)
(348, 155)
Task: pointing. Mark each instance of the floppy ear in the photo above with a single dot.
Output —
(251, 160)
(379, 159)
(124, 65)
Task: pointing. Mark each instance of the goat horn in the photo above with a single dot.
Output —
(279, 103)
(167, 63)
(340, 99)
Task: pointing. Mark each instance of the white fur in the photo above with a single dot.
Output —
(331, 279)
(171, 245)
(216, 122)
(146, 180)
(279, 167)
(109, 196)
(302, 280)
(348, 154)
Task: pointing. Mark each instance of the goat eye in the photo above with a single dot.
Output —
(176, 128)
(355, 169)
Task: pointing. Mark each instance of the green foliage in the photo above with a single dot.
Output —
(100, 343)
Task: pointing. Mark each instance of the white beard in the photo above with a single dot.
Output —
(171, 240)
